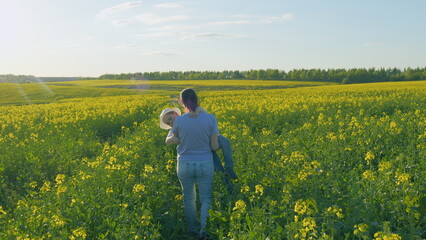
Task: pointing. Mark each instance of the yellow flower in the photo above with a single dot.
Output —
(386, 236)
(2, 211)
(259, 189)
(112, 160)
(368, 175)
(307, 207)
(109, 190)
(123, 205)
(360, 228)
(240, 205)
(79, 232)
(179, 197)
(297, 156)
(61, 189)
(401, 177)
(369, 156)
(169, 165)
(336, 210)
(383, 166)
(245, 189)
(138, 188)
(57, 221)
(309, 223)
(45, 187)
(145, 220)
(33, 184)
(60, 178)
(149, 169)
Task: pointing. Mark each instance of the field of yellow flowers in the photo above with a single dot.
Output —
(328, 162)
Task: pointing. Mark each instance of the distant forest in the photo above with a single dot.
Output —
(345, 76)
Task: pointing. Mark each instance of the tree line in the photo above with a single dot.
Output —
(355, 75)
(345, 76)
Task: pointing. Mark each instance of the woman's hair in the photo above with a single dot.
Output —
(189, 98)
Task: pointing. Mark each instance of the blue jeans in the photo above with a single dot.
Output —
(225, 145)
(190, 172)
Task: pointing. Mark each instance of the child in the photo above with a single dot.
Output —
(167, 118)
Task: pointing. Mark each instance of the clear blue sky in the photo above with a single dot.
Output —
(90, 38)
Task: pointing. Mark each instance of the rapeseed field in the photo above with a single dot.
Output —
(327, 162)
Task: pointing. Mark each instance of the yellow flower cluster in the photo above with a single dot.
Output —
(2, 211)
(45, 187)
(308, 228)
(305, 207)
(244, 189)
(336, 210)
(385, 165)
(401, 177)
(309, 169)
(240, 205)
(259, 189)
(78, 233)
(138, 188)
(386, 236)
(360, 229)
(60, 178)
(369, 156)
(368, 175)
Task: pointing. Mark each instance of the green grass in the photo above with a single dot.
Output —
(36, 93)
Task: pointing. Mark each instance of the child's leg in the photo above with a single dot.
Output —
(217, 163)
(225, 145)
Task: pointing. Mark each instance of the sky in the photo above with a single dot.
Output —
(80, 38)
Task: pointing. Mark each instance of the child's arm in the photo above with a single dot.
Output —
(172, 139)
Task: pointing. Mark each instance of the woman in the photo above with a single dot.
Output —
(198, 137)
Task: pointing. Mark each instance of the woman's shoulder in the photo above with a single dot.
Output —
(209, 115)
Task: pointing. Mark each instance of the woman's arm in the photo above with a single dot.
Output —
(214, 142)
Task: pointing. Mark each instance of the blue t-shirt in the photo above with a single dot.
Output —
(195, 135)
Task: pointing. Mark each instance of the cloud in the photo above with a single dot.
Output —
(229, 23)
(211, 35)
(167, 5)
(282, 18)
(160, 34)
(175, 28)
(121, 22)
(161, 53)
(150, 18)
(106, 13)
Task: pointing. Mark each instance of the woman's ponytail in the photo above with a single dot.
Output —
(189, 98)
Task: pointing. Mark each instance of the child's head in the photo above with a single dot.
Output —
(167, 117)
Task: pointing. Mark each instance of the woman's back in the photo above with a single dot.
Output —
(195, 135)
